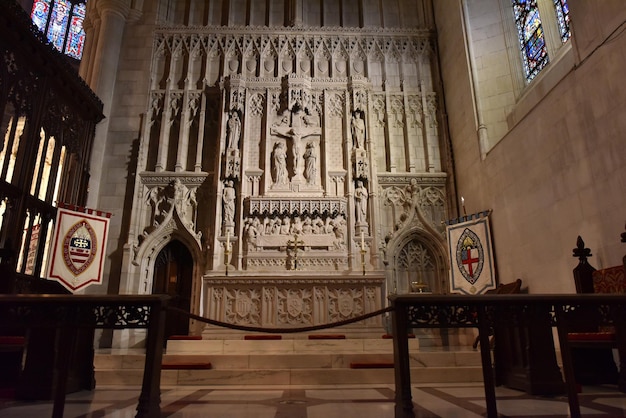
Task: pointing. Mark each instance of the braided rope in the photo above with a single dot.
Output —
(280, 330)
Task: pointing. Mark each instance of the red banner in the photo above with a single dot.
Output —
(78, 248)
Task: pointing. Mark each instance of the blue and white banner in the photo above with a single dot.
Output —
(78, 247)
(471, 256)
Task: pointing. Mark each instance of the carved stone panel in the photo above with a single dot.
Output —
(284, 302)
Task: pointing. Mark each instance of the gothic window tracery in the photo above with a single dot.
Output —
(62, 23)
(531, 37)
(562, 17)
(531, 16)
(415, 264)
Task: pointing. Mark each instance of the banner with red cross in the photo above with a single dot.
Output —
(471, 256)
(78, 247)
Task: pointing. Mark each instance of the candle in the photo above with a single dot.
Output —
(227, 240)
(463, 206)
(362, 240)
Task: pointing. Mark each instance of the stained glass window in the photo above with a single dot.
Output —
(531, 36)
(562, 16)
(62, 22)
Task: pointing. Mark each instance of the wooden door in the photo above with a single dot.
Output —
(173, 273)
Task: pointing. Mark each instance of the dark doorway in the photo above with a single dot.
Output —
(173, 274)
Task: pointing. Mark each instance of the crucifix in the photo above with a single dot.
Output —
(292, 245)
(300, 128)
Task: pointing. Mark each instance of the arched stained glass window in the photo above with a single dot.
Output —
(562, 16)
(531, 36)
(62, 22)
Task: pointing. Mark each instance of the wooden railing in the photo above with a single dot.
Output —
(486, 312)
(71, 313)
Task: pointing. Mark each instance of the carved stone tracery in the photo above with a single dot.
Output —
(269, 302)
(294, 91)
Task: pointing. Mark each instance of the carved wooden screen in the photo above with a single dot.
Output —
(47, 120)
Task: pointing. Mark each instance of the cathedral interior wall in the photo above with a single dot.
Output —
(551, 167)
(163, 183)
(557, 171)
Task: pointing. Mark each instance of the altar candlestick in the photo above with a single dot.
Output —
(362, 240)
(227, 240)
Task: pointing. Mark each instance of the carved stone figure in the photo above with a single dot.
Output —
(234, 130)
(180, 198)
(339, 230)
(284, 120)
(358, 130)
(284, 228)
(252, 231)
(174, 106)
(310, 158)
(318, 226)
(280, 164)
(276, 227)
(360, 202)
(296, 133)
(296, 226)
(307, 227)
(228, 199)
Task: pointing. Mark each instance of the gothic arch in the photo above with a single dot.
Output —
(173, 276)
(171, 229)
(417, 255)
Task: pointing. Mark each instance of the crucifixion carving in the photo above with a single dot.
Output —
(301, 127)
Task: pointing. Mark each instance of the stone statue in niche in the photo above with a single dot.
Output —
(310, 162)
(228, 200)
(234, 130)
(174, 106)
(358, 130)
(280, 164)
(360, 202)
(179, 197)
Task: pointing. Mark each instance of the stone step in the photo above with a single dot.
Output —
(289, 362)
(301, 346)
(282, 377)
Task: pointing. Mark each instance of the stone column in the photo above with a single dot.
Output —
(107, 45)
(91, 24)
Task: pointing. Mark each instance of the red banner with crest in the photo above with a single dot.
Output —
(78, 247)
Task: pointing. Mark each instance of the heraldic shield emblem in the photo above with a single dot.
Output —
(79, 247)
(470, 256)
(80, 238)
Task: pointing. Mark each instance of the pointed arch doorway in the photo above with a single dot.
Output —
(419, 266)
(173, 276)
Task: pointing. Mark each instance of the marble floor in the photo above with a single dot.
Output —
(375, 401)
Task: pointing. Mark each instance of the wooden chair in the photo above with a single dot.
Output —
(592, 345)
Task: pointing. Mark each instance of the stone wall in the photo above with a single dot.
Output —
(557, 171)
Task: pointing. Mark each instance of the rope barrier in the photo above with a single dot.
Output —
(280, 330)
